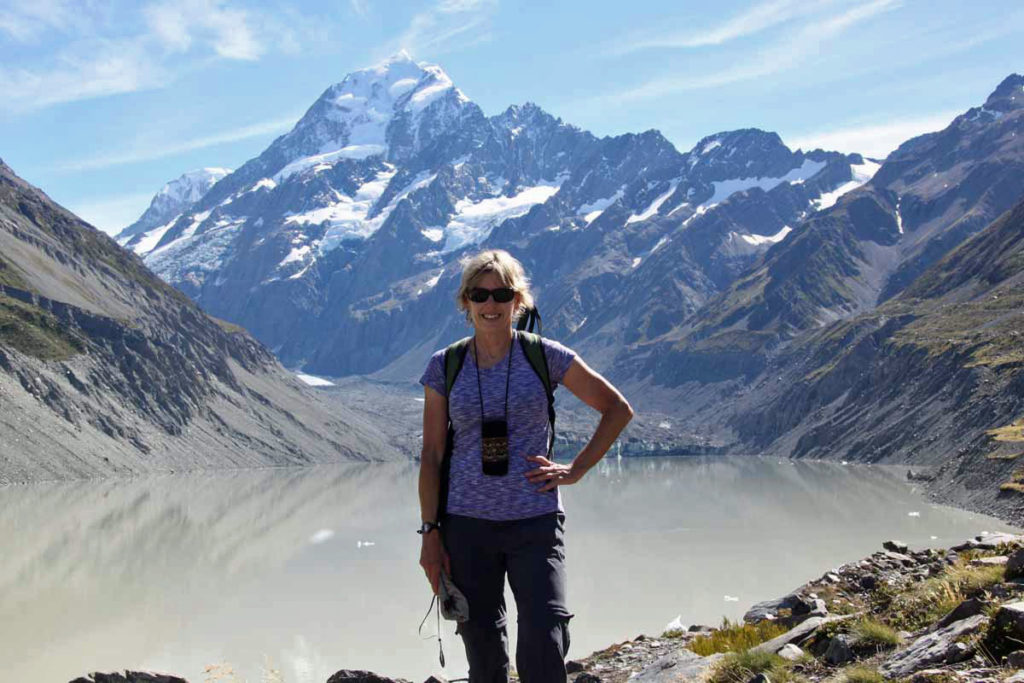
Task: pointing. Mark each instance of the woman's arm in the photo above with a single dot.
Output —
(594, 390)
(435, 432)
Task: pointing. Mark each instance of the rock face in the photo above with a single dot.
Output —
(104, 369)
(169, 203)
(940, 647)
(130, 677)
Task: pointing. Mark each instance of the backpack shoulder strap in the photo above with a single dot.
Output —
(533, 349)
(454, 357)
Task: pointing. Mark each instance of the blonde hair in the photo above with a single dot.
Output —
(503, 264)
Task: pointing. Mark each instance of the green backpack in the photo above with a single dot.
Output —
(454, 357)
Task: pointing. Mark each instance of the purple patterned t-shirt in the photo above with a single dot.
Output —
(472, 493)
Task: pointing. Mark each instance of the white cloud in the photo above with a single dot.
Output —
(170, 149)
(448, 26)
(360, 7)
(873, 140)
(176, 25)
(785, 54)
(94, 49)
(758, 18)
(111, 214)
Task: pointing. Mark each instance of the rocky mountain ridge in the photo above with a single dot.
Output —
(106, 370)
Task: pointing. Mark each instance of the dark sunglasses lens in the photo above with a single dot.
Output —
(503, 295)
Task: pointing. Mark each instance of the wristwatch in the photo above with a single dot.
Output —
(427, 527)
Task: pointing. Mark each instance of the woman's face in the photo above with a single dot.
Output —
(491, 315)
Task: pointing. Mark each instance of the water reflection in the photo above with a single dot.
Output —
(313, 570)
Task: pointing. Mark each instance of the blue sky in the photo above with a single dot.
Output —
(103, 102)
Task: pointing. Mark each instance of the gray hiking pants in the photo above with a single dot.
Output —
(532, 553)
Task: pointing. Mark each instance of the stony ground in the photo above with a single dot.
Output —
(923, 616)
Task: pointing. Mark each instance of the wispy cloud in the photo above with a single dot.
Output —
(75, 50)
(756, 19)
(874, 140)
(360, 7)
(787, 53)
(164, 150)
(448, 26)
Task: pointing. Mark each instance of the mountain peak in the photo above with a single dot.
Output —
(1008, 95)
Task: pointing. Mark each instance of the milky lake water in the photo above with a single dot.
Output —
(313, 570)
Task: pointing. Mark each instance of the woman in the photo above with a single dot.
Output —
(504, 512)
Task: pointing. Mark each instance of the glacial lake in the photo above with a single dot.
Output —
(307, 571)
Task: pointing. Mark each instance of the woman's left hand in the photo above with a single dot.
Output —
(551, 474)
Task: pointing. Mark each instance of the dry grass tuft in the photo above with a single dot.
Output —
(736, 637)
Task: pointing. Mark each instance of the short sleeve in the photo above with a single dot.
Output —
(559, 359)
(433, 376)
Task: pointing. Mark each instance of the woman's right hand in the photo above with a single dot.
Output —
(433, 559)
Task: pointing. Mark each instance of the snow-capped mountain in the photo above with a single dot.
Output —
(338, 245)
(169, 203)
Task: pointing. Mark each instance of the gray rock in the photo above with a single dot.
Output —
(1015, 565)
(896, 546)
(868, 582)
(587, 677)
(996, 561)
(899, 558)
(769, 609)
(797, 634)
(1015, 660)
(790, 652)
(988, 542)
(760, 678)
(939, 647)
(839, 651)
(967, 608)
(1007, 632)
(1015, 678)
(358, 676)
(678, 666)
(573, 667)
(130, 677)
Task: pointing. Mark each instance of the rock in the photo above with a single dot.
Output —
(769, 609)
(1015, 660)
(868, 582)
(573, 667)
(347, 676)
(989, 542)
(797, 634)
(899, 558)
(1015, 565)
(896, 546)
(839, 651)
(967, 608)
(435, 679)
(940, 647)
(587, 677)
(760, 678)
(130, 677)
(676, 667)
(1015, 678)
(1007, 632)
(790, 652)
(997, 561)
(700, 628)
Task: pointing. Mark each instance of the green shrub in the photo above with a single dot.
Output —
(736, 637)
(740, 667)
(872, 633)
(860, 674)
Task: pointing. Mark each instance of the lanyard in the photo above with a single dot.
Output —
(508, 374)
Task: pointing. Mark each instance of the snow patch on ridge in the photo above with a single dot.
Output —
(655, 205)
(591, 211)
(862, 173)
(760, 240)
(473, 221)
(725, 188)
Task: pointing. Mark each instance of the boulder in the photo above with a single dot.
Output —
(943, 646)
(839, 651)
(347, 676)
(1015, 565)
(869, 582)
(989, 542)
(790, 652)
(1015, 660)
(896, 546)
(675, 667)
(797, 634)
(573, 667)
(1007, 632)
(760, 678)
(769, 609)
(587, 677)
(967, 608)
(130, 677)
(996, 561)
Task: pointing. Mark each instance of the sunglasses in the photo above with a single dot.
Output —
(502, 295)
